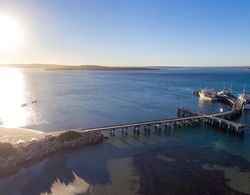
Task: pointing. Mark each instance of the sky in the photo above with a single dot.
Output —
(129, 32)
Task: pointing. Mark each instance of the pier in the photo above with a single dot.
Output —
(185, 118)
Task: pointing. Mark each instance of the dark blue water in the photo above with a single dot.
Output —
(185, 161)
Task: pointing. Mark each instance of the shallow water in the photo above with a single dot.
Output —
(183, 161)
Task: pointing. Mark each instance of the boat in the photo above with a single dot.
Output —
(245, 99)
(207, 95)
(224, 93)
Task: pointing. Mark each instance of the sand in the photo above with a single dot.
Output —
(236, 178)
(12, 135)
(123, 179)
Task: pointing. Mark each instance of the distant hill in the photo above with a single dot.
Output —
(82, 67)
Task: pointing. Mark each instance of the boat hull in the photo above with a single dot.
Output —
(207, 98)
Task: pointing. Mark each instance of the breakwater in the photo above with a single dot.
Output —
(39, 149)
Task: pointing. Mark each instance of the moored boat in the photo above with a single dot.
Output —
(224, 93)
(207, 95)
(245, 100)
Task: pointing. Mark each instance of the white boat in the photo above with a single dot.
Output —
(207, 95)
(245, 99)
(224, 93)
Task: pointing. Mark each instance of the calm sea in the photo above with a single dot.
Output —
(185, 161)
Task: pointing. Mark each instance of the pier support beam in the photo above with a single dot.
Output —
(147, 129)
(167, 126)
(136, 130)
(112, 132)
(158, 127)
(125, 131)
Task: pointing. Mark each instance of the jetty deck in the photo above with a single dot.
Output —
(186, 118)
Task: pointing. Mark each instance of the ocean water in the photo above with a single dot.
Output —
(184, 161)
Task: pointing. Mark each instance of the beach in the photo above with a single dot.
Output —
(12, 135)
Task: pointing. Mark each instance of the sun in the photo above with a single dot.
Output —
(11, 35)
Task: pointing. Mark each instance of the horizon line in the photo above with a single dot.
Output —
(78, 65)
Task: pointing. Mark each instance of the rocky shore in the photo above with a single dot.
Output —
(40, 148)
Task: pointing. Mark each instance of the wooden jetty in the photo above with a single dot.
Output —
(186, 118)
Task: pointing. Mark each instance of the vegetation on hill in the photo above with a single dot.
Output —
(69, 135)
(7, 149)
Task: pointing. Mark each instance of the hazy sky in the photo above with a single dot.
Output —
(130, 32)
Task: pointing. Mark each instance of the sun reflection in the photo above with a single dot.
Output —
(12, 88)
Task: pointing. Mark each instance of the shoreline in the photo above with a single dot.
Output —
(6, 172)
(31, 152)
(12, 135)
(63, 67)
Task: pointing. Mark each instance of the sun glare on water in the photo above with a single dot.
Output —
(11, 35)
(12, 87)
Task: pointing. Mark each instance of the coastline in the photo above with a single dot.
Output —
(38, 146)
